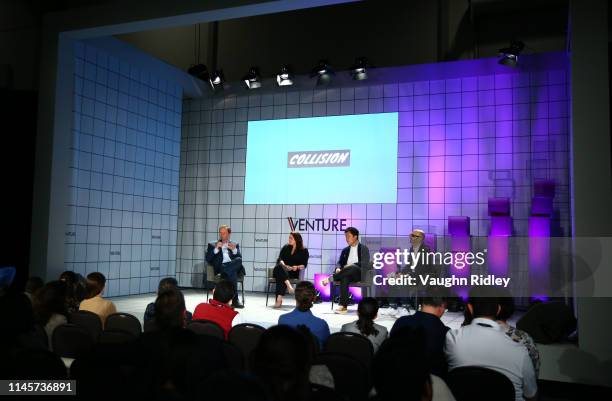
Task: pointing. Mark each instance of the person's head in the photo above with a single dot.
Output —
(405, 353)
(95, 284)
(166, 283)
(69, 277)
(483, 302)
(417, 237)
(434, 301)
(49, 300)
(367, 310)
(33, 284)
(305, 294)
(295, 239)
(506, 304)
(351, 234)
(170, 309)
(282, 361)
(223, 291)
(224, 232)
(76, 286)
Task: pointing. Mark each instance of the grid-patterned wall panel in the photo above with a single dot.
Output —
(461, 141)
(125, 164)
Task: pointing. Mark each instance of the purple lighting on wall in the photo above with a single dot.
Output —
(459, 232)
(539, 237)
(501, 229)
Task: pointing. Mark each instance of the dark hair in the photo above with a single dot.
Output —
(76, 289)
(435, 296)
(166, 283)
(68, 276)
(33, 284)
(304, 295)
(299, 242)
(282, 361)
(506, 304)
(352, 230)
(367, 311)
(224, 291)
(406, 353)
(170, 309)
(95, 284)
(48, 301)
(484, 302)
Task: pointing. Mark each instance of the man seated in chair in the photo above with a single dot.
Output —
(353, 259)
(225, 257)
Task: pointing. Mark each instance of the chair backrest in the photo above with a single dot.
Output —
(207, 328)
(210, 273)
(124, 322)
(71, 341)
(150, 325)
(351, 378)
(352, 344)
(473, 383)
(245, 336)
(116, 337)
(88, 321)
(233, 356)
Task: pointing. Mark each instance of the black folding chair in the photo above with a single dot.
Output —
(351, 378)
(207, 328)
(89, 321)
(123, 322)
(245, 336)
(71, 341)
(233, 356)
(116, 337)
(474, 383)
(354, 345)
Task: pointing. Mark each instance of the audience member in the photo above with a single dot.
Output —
(49, 307)
(33, 284)
(218, 309)
(76, 290)
(484, 343)
(170, 309)
(506, 303)
(304, 297)
(367, 310)
(94, 301)
(164, 284)
(433, 306)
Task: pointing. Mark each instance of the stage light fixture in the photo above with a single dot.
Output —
(216, 80)
(252, 80)
(284, 77)
(358, 70)
(323, 72)
(199, 71)
(509, 55)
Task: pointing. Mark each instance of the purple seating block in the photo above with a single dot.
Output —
(499, 207)
(541, 206)
(501, 226)
(544, 188)
(459, 226)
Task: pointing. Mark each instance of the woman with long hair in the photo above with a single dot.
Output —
(50, 308)
(293, 257)
(367, 311)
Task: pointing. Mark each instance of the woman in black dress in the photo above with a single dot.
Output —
(293, 258)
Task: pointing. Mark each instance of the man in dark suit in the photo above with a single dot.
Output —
(225, 257)
(353, 261)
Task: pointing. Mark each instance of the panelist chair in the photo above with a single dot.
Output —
(365, 283)
(212, 278)
(272, 280)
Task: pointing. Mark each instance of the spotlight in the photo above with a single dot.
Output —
(216, 80)
(358, 71)
(284, 77)
(199, 71)
(323, 71)
(509, 55)
(251, 80)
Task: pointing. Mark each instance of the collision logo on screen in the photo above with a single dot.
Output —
(319, 158)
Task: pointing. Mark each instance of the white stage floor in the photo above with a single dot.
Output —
(255, 310)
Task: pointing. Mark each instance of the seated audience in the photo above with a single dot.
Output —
(76, 290)
(484, 343)
(416, 383)
(33, 284)
(367, 310)
(506, 303)
(293, 257)
(428, 318)
(164, 284)
(94, 301)
(49, 307)
(304, 297)
(170, 309)
(218, 308)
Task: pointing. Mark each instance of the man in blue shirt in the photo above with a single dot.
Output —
(301, 315)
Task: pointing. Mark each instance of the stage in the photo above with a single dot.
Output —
(255, 310)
